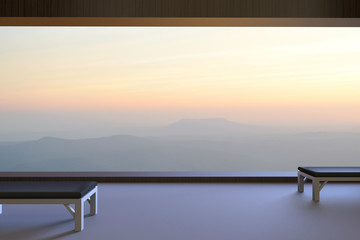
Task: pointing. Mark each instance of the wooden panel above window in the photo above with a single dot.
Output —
(181, 8)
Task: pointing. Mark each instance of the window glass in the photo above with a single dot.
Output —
(178, 98)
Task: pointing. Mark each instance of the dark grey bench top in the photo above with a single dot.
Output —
(43, 190)
(331, 171)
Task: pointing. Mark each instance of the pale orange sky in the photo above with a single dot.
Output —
(246, 74)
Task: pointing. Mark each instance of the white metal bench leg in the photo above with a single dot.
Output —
(0, 208)
(79, 215)
(301, 180)
(315, 190)
(93, 204)
(317, 186)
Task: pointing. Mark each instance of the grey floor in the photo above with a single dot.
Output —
(197, 211)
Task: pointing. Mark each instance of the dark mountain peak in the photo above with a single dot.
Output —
(48, 139)
(206, 121)
(206, 126)
(203, 120)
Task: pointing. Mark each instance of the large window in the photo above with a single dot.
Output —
(178, 98)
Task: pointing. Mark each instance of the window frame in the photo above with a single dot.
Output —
(166, 22)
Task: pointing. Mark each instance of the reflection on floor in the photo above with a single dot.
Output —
(197, 211)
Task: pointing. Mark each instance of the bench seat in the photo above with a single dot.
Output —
(322, 175)
(45, 189)
(331, 171)
(67, 193)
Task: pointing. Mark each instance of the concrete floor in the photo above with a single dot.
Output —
(197, 211)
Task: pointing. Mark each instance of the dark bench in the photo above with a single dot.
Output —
(321, 175)
(52, 193)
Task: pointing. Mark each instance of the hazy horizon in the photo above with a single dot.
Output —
(83, 128)
(244, 151)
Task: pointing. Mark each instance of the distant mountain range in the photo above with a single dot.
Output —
(184, 127)
(271, 152)
(208, 127)
(115, 153)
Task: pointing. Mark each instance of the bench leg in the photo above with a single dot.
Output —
(79, 215)
(93, 204)
(315, 190)
(0, 208)
(301, 180)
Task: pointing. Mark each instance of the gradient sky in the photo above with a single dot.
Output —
(158, 75)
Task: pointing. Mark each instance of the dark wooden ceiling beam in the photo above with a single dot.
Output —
(183, 22)
(181, 8)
